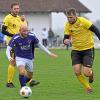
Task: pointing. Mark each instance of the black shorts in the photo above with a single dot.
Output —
(84, 57)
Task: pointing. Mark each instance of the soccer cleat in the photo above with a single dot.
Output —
(10, 85)
(33, 83)
(91, 79)
(88, 90)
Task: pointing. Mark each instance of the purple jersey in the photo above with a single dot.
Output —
(23, 47)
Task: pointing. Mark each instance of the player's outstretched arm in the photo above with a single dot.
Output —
(46, 50)
(53, 55)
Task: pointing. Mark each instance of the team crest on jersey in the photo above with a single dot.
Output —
(75, 31)
(14, 26)
(71, 31)
(29, 41)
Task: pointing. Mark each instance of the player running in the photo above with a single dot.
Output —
(81, 31)
(22, 45)
(11, 25)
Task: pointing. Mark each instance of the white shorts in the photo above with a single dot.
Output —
(25, 62)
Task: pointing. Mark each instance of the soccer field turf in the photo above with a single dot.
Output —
(57, 80)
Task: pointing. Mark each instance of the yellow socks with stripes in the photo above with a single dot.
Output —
(83, 81)
(11, 70)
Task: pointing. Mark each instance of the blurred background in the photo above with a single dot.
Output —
(50, 15)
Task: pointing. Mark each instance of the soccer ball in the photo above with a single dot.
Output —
(25, 91)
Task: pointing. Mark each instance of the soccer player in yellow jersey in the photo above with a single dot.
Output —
(11, 26)
(81, 32)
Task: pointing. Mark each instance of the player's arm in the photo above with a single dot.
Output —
(66, 39)
(89, 25)
(11, 59)
(5, 32)
(36, 41)
(8, 50)
(46, 50)
(94, 29)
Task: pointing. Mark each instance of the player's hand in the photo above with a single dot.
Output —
(67, 41)
(53, 55)
(12, 61)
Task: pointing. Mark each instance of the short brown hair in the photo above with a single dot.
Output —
(14, 4)
(71, 11)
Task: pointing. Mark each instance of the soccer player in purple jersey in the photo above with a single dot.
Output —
(22, 44)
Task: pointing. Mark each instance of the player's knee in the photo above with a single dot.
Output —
(87, 74)
(13, 64)
(77, 73)
(22, 72)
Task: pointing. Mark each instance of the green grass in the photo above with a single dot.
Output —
(57, 80)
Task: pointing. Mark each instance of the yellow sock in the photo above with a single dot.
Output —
(11, 70)
(83, 81)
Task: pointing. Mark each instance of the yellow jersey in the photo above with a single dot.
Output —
(13, 25)
(82, 37)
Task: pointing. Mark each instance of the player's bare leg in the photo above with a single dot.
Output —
(30, 80)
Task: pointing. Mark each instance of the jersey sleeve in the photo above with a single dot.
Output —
(86, 23)
(5, 21)
(12, 43)
(34, 38)
(66, 31)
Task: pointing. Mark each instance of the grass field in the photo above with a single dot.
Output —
(57, 80)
